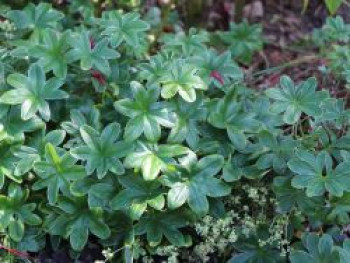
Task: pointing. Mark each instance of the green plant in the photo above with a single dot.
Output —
(316, 174)
(320, 249)
(195, 183)
(33, 92)
(243, 40)
(56, 172)
(145, 112)
(16, 212)
(161, 151)
(101, 152)
(335, 29)
(294, 100)
(333, 39)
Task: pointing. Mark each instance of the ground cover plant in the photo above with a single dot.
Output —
(122, 142)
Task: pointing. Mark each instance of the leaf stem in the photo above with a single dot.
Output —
(285, 65)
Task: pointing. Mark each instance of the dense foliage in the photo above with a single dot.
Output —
(159, 150)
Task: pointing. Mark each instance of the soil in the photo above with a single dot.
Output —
(287, 31)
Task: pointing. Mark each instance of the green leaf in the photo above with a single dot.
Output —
(316, 175)
(293, 100)
(102, 151)
(318, 250)
(159, 224)
(138, 192)
(15, 127)
(56, 172)
(276, 151)
(78, 237)
(301, 256)
(325, 245)
(289, 197)
(99, 229)
(52, 52)
(218, 69)
(178, 195)
(15, 213)
(333, 5)
(35, 17)
(188, 117)
(181, 79)
(145, 113)
(200, 182)
(151, 166)
(75, 219)
(153, 158)
(228, 114)
(335, 29)
(78, 118)
(96, 56)
(28, 216)
(243, 40)
(34, 92)
(121, 28)
(198, 201)
(16, 230)
(188, 44)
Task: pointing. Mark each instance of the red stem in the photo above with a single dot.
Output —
(14, 252)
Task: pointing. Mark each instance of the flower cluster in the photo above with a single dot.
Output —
(218, 235)
(278, 234)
